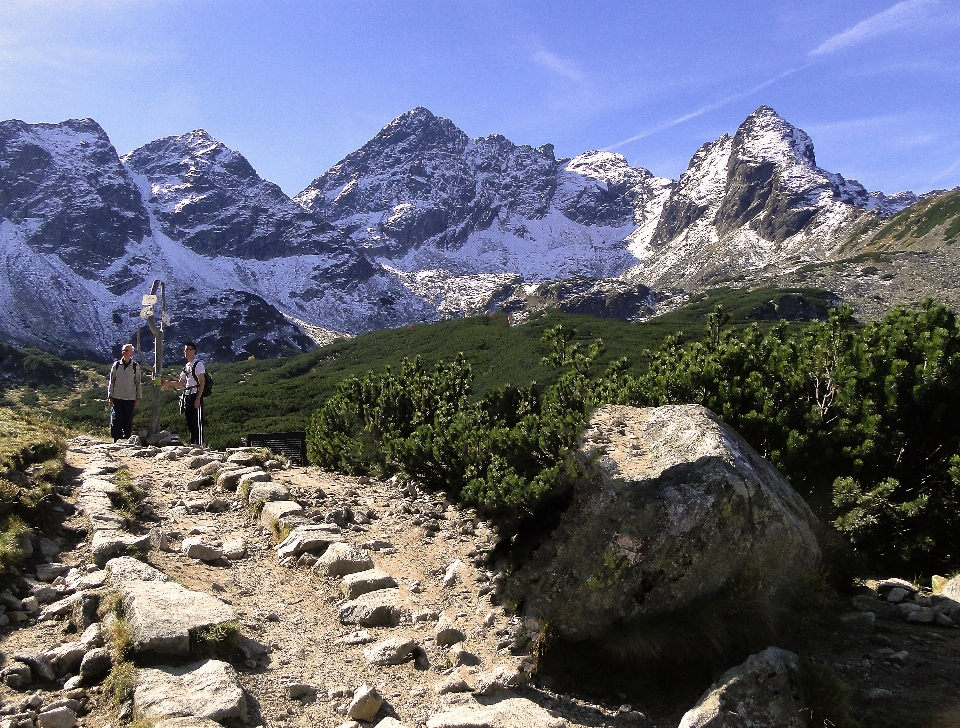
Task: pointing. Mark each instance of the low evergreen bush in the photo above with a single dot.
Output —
(861, 419)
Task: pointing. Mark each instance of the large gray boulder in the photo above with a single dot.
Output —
(763, 691)
(675, 509)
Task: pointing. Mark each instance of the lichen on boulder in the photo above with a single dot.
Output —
(675, 510)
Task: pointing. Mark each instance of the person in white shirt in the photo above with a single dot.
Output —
(191, 400)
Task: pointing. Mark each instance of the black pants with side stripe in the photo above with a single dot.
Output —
(194, 418)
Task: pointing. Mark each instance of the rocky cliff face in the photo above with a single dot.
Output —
(751, 201)
(211, 199)
(64, 192)
(422, 195)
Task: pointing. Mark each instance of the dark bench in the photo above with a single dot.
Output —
(292, 445)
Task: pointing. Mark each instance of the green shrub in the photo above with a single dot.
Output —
(861, 420)
(504, 452)
(217, 640)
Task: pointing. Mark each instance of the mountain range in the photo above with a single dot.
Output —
(421, 223)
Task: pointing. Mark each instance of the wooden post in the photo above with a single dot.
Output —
(157, 329)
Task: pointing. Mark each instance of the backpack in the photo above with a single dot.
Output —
(116, 365)
(207, 379)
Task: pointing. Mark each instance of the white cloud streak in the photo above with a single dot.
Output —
(901, 15)
(562, 66)
(707, 109)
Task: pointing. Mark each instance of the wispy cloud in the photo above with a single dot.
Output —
(559, 65)
(901, 15)
(707, 109)
(945, 173)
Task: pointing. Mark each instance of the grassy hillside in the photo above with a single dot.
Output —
(281, 394)
(935, 220)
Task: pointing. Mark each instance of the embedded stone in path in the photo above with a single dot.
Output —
(242, 458)
(195, 548)
(258, 476)
(341, 559)
(162, 615)
(375, 609)
(228, 479)
(509, 713)
(207, 689)
(125, 569)
(362, 582)
(268, 491)
(308, 538)
(94, 502)
(109, 543)
(275, 510)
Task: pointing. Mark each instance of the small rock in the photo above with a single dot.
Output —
(446, 632)
(195, 548)
(96, 663)
(365, 704)
(390, 722)
(267, 491)
(899, 658)
(459, 656)
(888, 584)
(450, 575)
(452, 684)
(204, 481)
(509, 713)
(17, 675)
(362, 582)
(341, 558)
(876, 695)
(924, 615)
(49, 572)
(48, 548)
(57, 718)
(391, 651)
(235, 549)
(273, 511)
(159, 539)
(897, 595)
(92, 636)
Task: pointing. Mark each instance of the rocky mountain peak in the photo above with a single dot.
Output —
(195, 154)
(419, 127)
(67, 193)
(766, 136)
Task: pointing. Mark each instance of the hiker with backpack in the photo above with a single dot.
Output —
(123, 392)
(196, 384)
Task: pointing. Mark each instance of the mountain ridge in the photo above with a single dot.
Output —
(421, 223)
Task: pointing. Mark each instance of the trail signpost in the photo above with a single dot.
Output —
(157, 295)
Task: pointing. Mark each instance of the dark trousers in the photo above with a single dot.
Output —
(121, 419)
(194, 418)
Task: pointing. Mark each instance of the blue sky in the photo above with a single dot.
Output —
(296, 85)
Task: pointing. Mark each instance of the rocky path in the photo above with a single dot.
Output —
(350, 602)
